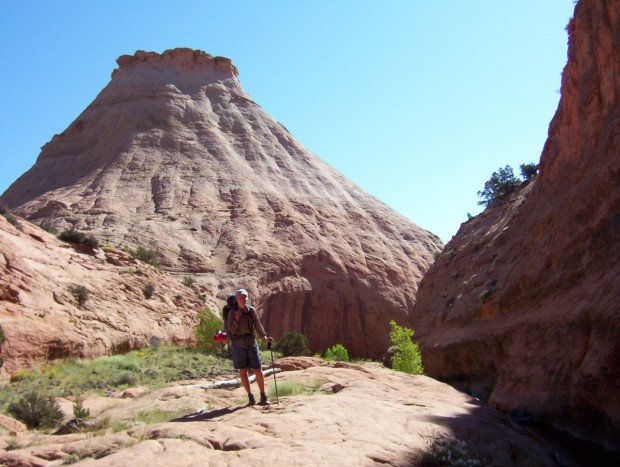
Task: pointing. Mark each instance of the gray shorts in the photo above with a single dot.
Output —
(246, 357)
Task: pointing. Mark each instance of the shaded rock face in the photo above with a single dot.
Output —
(174, 155)
(523, 306)
(40, 315)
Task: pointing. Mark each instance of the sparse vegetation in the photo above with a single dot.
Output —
(10, 219)
(80, 293)
(49, 229)
(501, 184)
(293, 388)
(79, 411)
(406, 357)
(2, 341)
(504, 182)
(188, 281)
(208, 325)
(12, 444)
(449, 451)
(145, 255)
(153, 367)
(337, 353)
(292, 344)
(71, 459)
(148, 290)
(80, 238)
(36, 410)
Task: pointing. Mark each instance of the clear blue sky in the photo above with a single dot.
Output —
(416, 101)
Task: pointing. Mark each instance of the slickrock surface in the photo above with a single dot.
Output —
(357, 415)
(524, 304)
(175, 156)
(42, 320)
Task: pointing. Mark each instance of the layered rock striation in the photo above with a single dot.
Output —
(523, 306)
(43, 320)
(173, 155)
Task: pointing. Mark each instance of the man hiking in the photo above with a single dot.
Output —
(240, 326)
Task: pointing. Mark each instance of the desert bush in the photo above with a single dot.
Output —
(292, 343)
(528, 171)
(2, 341)
(49, 229)
(145, 255)
(79, 411)
(188, 281)
(148, 290)
(337, 353)
(92, 242)
(72, 236)
(293, 388)
(449, 451)
(75, 236)
(208, 325)
(36, 410)
(407, 357)
(11, 219)
(501, 184)
(12, 444)
(80, 293)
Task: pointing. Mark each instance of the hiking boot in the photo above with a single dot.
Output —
(251, 400)
(264, 400)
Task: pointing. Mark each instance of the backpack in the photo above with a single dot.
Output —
(231, 304)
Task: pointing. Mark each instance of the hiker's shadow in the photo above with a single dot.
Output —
(208, 415)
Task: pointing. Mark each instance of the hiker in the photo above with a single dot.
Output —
(241, 325)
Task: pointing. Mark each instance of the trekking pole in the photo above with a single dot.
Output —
(275, 382)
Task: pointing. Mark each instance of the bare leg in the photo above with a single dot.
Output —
(245, 382)
(260, 380)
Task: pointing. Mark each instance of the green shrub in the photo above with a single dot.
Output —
(208, 325)
(12, 444)
(79, 411)
(75, 236)
(72, 236)
(292, 343)
(148, 290)
(36, 410)
(407, 356)
(92, 242)
(145, 255)
(528, 171)
(2, 341)
(80, 293)
(49, 229)
(188, 281)
(11, 219)
(501, 184)
(337, 353)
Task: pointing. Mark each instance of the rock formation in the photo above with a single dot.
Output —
(523, 306)
(43, 321)
(175, 156)
(351, 415)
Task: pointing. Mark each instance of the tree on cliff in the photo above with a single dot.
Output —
(501, 184)
(504, 182)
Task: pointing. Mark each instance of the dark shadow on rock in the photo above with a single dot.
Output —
(500, 439)
(209, 415)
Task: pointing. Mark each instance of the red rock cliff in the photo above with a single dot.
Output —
(523, 306)
(173, 155)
